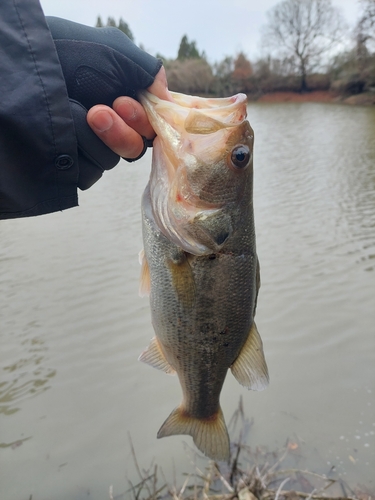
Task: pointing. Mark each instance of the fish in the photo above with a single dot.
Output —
(199, 263)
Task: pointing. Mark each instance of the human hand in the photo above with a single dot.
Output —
(123, 128)
(101, 66)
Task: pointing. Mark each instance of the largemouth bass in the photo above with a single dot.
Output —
(199, 262)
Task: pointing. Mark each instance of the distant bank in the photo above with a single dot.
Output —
(364, 99)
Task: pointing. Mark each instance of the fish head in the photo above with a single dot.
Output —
(202, 168)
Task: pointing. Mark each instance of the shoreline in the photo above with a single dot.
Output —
(320, 96)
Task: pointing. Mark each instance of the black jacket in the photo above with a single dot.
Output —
(39, 159)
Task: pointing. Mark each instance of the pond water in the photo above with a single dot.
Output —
(72, 325)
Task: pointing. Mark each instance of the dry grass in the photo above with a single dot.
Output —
(250, 475)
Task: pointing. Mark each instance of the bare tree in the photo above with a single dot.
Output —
(303, 30)
(365, 44)
(242, 73)
(223, 76)
(365, 30)
(190, 76)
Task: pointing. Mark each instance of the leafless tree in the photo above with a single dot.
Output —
(365, 30)
(242, 73)
(190, 76)
(304, 30)
(223, 76)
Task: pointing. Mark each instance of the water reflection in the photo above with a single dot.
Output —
(25, 377)
(15, 444)
(319, 171)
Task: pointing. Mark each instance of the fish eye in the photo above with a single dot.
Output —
(240, 156)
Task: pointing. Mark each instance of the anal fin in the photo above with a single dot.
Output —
(154, 356)
(250, 367)
(209, 435)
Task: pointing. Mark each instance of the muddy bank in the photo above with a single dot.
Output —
(365, 99)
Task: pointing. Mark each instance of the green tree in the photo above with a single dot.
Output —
(303, 31)
(122, 25)
(187, 50)
(111, 21)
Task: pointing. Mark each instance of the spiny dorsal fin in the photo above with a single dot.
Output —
(154, 356)
(250, 368)
(209, 435)
(145, 280)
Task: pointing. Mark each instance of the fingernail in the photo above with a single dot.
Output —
(101, 121)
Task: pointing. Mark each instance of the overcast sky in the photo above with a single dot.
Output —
(219, 27)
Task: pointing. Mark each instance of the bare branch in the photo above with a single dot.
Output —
(304, 29)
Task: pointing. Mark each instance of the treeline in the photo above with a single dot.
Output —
(346, 74)
(301, 37)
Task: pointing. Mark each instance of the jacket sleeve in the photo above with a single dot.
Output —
(38, 148)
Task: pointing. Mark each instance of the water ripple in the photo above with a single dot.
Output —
(72, 322)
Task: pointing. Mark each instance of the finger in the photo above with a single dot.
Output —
(114, 132)
(160, 86)
(134, 115)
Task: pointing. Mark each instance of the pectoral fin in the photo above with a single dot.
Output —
(182, 280)
(145, 280)
(154, 356)
(250, 368)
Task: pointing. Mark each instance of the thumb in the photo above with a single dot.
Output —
(114, 132)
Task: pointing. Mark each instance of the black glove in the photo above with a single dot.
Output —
(99, 65)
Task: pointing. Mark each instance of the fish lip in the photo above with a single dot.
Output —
(219, 106)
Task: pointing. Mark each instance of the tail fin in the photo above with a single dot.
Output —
(209, 435)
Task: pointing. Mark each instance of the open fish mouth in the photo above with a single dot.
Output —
(193, 136)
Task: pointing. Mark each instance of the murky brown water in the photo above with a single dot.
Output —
(72, 324)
